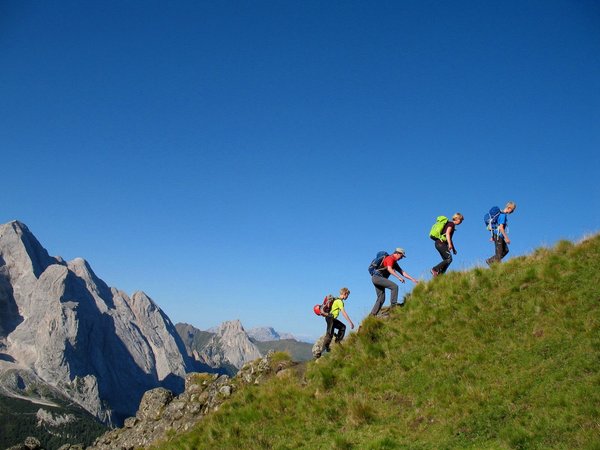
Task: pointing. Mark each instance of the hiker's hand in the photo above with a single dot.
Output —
(402, 280)
(351, 326)
(454, 251)
(507, 240)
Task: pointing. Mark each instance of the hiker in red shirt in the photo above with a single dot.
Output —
(389, 266)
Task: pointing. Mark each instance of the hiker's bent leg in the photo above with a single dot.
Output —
(394, 295)
(384, 283)
(328, 333)
(380, 291)
(498, 251)
(341, 330)
(444, 251)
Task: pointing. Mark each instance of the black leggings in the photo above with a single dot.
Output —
(333, 324)
(444, 251)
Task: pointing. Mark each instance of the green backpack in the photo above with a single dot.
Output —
(436, 229)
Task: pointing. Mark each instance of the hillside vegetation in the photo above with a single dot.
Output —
(298, 351)
(501, 358)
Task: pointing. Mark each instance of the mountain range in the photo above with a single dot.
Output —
(226, 348)
(73, 349)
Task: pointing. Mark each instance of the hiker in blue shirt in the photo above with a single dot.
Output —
(500, 234)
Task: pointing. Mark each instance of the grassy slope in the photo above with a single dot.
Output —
(487, 359)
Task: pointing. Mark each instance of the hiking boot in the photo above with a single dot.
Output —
(434, 272)
(317, 356)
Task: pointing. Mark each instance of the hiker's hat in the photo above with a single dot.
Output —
(401, 251)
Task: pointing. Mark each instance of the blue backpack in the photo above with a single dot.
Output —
(491, 218)
(376, 263)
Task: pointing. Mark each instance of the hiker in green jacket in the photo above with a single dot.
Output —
(444, 244)
(333, 324)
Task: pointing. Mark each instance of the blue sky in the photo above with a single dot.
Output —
(240, 160)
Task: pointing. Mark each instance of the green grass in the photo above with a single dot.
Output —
(501, 358)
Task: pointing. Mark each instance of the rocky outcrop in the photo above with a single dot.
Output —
(99, 347)
(161, 413)
(32, 443)
(229, 345)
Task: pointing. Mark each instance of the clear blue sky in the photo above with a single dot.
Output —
(243, 159)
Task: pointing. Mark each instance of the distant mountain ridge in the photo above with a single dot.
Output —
(263, 334)
(229, 346)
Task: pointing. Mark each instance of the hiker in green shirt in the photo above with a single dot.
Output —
(333, 323)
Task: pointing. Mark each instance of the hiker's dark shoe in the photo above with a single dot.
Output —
(434, 272)
(317, 356)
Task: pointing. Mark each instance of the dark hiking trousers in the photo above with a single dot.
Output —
(381, 284)
(333, 325)
(446, 254)
(501, 250)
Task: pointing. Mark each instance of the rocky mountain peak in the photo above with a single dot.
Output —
(21, 251)
(230, 345)
(230, 328)
(69, 329)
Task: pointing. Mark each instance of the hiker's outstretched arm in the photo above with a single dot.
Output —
(409, 277)
(348, 318)
(393, 272)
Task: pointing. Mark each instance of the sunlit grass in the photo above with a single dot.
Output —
(501, 358)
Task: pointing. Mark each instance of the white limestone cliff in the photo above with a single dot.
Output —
(100, 347)
(229, 345)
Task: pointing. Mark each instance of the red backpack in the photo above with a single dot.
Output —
(323, 309)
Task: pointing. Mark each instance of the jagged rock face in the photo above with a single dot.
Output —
(94, 343)
(229, 345)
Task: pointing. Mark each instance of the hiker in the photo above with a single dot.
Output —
(442, 235)
(498, 223)
(379, 277)
(333, 324)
